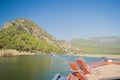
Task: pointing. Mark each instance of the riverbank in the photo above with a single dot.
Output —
(8, 53)
(99, 55)
(107, 72)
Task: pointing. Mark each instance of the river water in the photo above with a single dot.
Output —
(37, 67)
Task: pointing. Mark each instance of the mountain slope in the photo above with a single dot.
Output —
(98, 45)
(30, 27)
(24, 35)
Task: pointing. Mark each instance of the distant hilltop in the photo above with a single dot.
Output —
(100, 40)
(107, 39)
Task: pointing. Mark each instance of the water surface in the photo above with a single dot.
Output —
(38, 67)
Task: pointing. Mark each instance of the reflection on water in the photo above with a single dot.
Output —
(38, 67)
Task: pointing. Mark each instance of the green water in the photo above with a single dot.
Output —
(38, 67)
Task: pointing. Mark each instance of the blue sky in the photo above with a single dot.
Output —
(67, 19)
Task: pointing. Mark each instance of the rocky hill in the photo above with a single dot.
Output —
(24, 35)
(98, 45)
(29, 27)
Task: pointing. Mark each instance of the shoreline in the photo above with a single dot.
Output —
(9, 53)
(98, 55)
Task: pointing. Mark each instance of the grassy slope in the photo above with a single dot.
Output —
(96, 47)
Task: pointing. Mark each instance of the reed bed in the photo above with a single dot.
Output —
(8, 53)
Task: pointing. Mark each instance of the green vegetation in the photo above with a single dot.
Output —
(97, 46)
(15, 37)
